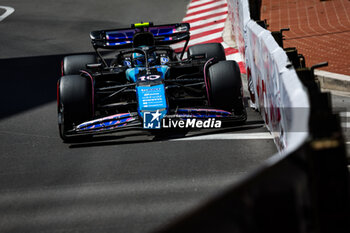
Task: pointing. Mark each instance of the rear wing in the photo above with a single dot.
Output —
(122, 38)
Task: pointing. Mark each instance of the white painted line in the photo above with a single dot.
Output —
(200, 2)
(210, 20)
(8, 11)
(205, 14)
(205, 29)
(344, 114)
(218, 3)
(232, 136)
(199, 40)
(347, 143)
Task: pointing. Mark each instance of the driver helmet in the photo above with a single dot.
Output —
(139, 59)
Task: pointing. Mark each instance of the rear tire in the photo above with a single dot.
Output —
(74, 103)
(211, 50)
(73, 64)
(225, 87)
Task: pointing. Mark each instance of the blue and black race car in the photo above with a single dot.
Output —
(140, 82)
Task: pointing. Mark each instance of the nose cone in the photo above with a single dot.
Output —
(152, 104)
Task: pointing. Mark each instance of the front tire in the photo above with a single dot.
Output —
(73, 64)
(74, 103)
(225, 87)
(210, 50)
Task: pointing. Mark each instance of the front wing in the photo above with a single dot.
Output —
(132, 121)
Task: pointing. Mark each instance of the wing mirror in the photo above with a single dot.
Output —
(94, 66)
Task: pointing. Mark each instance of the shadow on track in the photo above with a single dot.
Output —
(28, 82)
(111, 140)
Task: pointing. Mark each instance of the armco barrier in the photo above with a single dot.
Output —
(304, 189)
(279, 95)
(238, 13)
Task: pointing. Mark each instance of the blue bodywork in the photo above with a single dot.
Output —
(134, 74)
(107, 123)
(150, 91)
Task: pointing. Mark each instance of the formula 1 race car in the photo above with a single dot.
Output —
(140, 82)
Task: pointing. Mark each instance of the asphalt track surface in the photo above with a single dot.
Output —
(115, 184)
